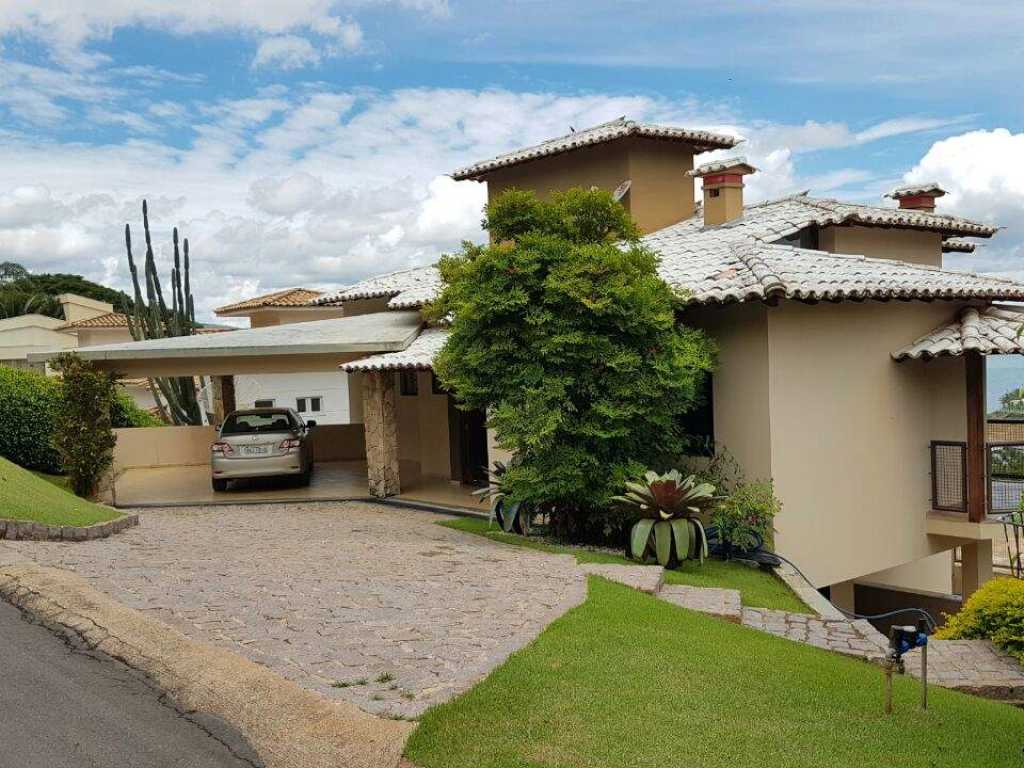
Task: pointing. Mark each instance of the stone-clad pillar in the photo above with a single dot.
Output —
(381, 432)
(223, 390)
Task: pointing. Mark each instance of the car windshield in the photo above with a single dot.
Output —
(257, 422)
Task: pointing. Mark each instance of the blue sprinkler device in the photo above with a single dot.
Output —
(903, 640)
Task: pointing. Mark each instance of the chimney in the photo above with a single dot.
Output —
(723, 188)
(919, 197)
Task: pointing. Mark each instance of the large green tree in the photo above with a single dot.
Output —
(562, 330)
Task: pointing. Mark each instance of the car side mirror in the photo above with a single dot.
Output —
(310, 424)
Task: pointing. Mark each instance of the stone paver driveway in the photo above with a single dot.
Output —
(376, 605)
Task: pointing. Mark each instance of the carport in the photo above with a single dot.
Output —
(170, 465)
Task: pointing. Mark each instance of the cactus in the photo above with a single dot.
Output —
(150, 318)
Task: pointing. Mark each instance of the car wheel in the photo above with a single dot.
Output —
(219, 485)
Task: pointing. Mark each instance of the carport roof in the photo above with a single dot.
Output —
(377, 332)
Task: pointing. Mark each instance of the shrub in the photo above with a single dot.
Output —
(125, 413)
(744, 518)
(29, 403)
(84, 432)
(995, 612)
(563, 332)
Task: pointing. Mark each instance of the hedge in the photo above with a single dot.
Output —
(28, 407)
(995, 612)
(29, 402)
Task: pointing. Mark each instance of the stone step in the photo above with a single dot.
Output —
(646, 578)
(723, 603)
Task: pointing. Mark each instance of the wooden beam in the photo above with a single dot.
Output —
(974, 365)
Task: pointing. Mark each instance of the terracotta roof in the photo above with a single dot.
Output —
(106, 320)
(718, 166)
(928, 188)
(599, 134)
(989, 330)
(417, 356)
(715, 264)
(954, 245)
(289, 297)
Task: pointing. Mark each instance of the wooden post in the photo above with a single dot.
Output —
(381, 426)
(974, 364)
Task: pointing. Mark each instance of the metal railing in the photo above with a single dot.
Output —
(1005, 473)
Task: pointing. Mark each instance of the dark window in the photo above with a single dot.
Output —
(435, 385)
(407, 383)
(309, 404)
(241, 422)
(264, 404)
(714, 192)
(699, 423)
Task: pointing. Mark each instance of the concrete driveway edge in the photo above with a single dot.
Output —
(286, 725)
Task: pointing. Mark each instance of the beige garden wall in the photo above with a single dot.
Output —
(162, 447)
(851, 431)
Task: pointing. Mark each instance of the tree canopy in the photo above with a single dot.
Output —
(563, 332)
(22, 292)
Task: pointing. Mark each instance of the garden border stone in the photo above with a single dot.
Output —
(25, 530)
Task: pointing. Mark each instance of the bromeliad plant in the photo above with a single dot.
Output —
(669, 530)
(512, 516)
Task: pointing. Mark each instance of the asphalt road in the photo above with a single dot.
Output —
(65, 708)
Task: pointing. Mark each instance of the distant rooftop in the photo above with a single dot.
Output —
(702, 141)
(106, 320)
(289, 297)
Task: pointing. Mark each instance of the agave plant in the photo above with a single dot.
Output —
(669, 530)
(512, 516)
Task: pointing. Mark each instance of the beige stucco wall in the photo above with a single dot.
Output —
(423, 432)
(660, 192)
(26, 334)
(89, 337)
(901, 244)
(740, 383)
(929, 574)
(77, 307)
(162, 447)
(851, 431)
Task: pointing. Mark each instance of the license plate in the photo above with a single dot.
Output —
(255, 450)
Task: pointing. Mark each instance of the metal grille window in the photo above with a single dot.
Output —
(949, 476)
(264, 404)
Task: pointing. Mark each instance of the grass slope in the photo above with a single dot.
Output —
(24, 496)
(628, 680)
(758, 589)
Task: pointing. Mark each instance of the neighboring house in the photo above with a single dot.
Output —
(851, 367)
(318, 395)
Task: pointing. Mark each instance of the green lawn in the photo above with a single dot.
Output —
(758, 589)
(42, 499)
(626, 680)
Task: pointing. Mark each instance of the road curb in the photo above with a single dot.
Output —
(15, 530)
(286, 725)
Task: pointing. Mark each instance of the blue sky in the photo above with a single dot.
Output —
(306, 142)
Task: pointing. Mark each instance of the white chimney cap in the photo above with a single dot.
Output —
(731, 164)
(929, 188)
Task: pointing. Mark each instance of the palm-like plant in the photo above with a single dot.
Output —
(669, 530)
(512, 516)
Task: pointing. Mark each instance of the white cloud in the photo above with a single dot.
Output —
(983, 172)
(286, 52)
(67, 27)
(316, 187)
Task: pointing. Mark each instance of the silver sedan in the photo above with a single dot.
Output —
(262, 442)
